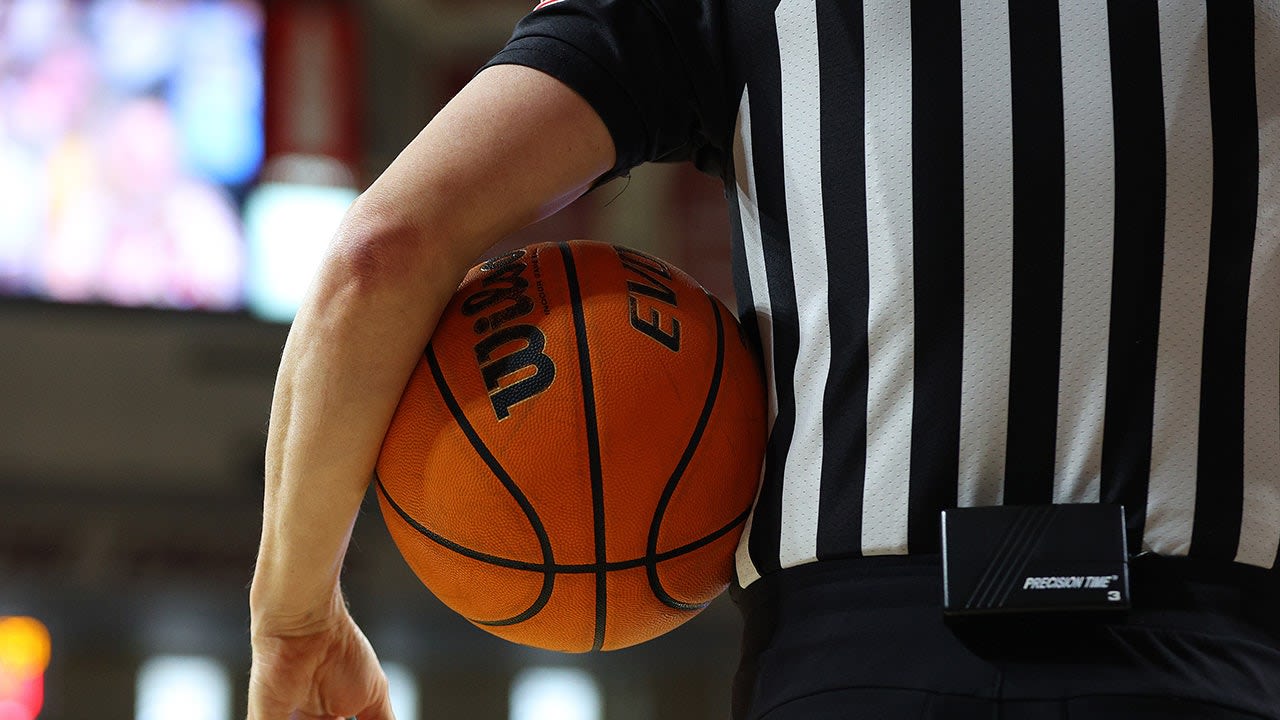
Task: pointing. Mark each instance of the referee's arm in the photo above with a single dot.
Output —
(514, 146)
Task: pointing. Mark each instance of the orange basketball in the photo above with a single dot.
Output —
(575, 456)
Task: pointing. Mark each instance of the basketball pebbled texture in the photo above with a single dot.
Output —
(574, 458)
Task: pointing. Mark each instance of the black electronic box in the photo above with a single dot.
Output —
(1034, 559)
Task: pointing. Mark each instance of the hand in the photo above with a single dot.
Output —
(323, 674)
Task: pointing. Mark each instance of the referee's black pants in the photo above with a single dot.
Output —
(865, 638)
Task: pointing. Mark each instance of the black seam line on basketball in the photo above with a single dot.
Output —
(557, 568)
(593, 439)
(534, 609)
(651, 569)
(535, 523)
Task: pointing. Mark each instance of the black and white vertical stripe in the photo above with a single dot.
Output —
(1010, 252)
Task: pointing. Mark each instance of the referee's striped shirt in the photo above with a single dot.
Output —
(1005, 251)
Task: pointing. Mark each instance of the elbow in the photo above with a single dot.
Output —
(375, 252)
(373, 247)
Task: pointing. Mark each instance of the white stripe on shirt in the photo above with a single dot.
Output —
(1184, 58)
(891, 311)
(749, 213)
(988, 250)
(1089, 142)
(1259, 529)
(797, 22)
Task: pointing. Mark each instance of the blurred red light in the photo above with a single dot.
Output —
(25, 648)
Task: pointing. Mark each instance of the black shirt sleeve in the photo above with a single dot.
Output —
(651, 69)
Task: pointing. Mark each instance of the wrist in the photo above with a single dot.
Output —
(275, 611)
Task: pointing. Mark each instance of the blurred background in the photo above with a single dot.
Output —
(170, 172)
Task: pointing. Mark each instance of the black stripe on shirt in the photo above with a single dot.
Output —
(937, 159)
(1138, 259)
(742, 290)
(1234, 108)
(844, 207)
(766, 138)
(747, 316)
(1038, 236)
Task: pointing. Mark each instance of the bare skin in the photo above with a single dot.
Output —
(513, 147)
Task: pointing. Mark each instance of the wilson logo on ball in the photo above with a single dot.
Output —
(501, 300)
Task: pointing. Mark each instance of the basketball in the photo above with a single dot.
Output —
(574, 459)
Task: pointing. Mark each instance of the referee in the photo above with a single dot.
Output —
(998, 256)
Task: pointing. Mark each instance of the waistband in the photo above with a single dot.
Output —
(1159, 584)
(1197, 630)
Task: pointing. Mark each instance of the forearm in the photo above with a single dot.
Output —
(343, 368)
(513, 147)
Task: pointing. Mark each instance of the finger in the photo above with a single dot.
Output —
(270, 711)
(299, 715)
(264, 704)
(260, 709)
(381, 710)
